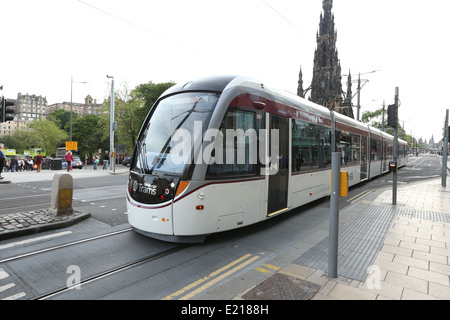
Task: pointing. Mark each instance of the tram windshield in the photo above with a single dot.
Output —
(165, 146)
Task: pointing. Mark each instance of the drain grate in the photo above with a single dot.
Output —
(282, 287)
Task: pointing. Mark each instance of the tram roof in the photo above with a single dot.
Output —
(218, 83)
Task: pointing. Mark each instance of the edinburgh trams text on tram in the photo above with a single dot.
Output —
(225, 152)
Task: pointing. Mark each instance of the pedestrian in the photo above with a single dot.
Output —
(13, 164)
(2, 160)
(96, 160)
(20, 164)
(38, 162)
(105, 160)
(69, 159)
(30, 164)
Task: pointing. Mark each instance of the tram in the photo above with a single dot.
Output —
(226, 152)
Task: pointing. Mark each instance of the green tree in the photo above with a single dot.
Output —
(44, 133)
(149, 93)
(13, 142)
(61, 117)
(88, 133)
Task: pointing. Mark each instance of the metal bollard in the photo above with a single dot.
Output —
(62, 192)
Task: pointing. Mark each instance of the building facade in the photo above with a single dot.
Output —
(326, 86)
(90, 106)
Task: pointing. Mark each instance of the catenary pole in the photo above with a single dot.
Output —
(445, 151)
(394, 178)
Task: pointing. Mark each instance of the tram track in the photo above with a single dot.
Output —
(112, 271)
(55, 257)
(29, 254)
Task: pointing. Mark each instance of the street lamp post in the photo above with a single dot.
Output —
(359, 91)
(112, 154)
(358, 106)
(71, 103)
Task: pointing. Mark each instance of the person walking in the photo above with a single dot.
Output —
(38, 162)
(69, 159)
(96, 160)
(105, 160)
(13, 164)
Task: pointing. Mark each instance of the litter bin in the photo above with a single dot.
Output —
(56, 164)
(46, 163)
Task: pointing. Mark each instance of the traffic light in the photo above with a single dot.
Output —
(392, 116)
(5, 111)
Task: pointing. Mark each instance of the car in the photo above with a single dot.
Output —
(77, 163)
(127, 161)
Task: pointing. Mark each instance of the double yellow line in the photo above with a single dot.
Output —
(212, 278)
(359, 196)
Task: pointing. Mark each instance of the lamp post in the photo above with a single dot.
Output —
(71, 103)
(112, 154)
(358, 105)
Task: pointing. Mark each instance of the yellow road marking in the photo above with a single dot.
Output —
(271, 267)
(359, 196)
(262, 270)
(268, 266)
(210, 276)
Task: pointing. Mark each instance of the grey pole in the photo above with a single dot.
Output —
(394, 178)
(112, 154)
(445, 152)
(334, 214)
(359, 97)
(71, 87)
(71, 103)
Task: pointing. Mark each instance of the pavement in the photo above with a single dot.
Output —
(24, 223)
(386, 252)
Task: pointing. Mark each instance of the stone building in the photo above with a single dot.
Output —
(90, 106)
(326, 86)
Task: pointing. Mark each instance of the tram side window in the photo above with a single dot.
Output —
(375, 149)
(349, 146)
(390, 151)
(311, 147)
(237, 154)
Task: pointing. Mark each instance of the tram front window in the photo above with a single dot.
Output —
(166, 143)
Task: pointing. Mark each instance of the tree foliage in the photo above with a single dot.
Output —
(44, 133)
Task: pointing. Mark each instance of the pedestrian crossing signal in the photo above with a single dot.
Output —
(392, 116)
(5, 114)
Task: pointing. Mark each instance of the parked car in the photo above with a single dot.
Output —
(127, 161)
(77, 163)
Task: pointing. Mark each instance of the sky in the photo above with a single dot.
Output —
(47, 43)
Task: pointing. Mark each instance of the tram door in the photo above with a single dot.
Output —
(364, 157)
(278, 182)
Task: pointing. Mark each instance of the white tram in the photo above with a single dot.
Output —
(225, 152)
